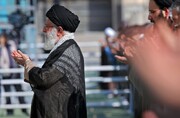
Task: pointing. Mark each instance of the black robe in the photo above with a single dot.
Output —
(59, 86)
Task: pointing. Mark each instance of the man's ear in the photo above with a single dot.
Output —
(163, 13)
(166, 13)
(60, 31)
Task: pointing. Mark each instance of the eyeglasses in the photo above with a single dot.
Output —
(46, 27)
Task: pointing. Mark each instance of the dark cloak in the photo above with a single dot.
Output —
(59, 86)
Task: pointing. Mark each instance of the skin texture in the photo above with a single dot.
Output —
(149, 114)
(156, 58)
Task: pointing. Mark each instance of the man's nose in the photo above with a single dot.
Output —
(149, 17)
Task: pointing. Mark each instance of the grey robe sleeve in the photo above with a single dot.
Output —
(45, 77)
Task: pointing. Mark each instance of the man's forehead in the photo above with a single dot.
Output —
(153, 5)
(48, 22)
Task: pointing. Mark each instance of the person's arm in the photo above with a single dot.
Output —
(45, 77)
(122, 59)
(23, 60)
(37, 76)
(126, 56)
(27, 67)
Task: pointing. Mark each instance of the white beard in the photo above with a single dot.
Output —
(50, 39)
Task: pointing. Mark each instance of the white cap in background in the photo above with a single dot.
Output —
(110, 32)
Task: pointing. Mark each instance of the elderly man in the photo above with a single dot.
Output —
(58, 86)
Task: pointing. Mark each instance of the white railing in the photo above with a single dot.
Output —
(87, 80)
(40, 45)
(87, 68)
(88, 55)
(88, 92)
(85, 55)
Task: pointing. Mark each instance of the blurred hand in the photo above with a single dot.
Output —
(157, 59)
(19, 57)
(122, 59)
(127, 48)
(149, 114)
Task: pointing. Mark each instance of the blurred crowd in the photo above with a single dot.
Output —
(152, 52)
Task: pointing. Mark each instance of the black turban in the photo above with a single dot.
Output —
(61, 16)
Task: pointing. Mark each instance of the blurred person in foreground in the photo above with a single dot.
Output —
(166, 48)
(158, 9)
(59, 85)
(164, 44)
(7, 62)
(156, 60)
(129, 35)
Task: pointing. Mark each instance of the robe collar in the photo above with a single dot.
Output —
(66, 37)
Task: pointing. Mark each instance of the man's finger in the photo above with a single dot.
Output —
(16, 54)
(23, 55)
(121, 59)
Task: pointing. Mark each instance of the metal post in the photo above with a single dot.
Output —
(131, 104)
(114, 13)
(1, 89)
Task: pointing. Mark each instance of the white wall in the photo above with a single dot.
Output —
(135, 11)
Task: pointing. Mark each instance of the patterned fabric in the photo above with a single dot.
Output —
(59, 86)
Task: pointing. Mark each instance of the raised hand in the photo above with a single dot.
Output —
(157, 61)
(19, 57)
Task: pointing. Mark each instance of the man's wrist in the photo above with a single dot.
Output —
(28, 64)
(27, 60)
